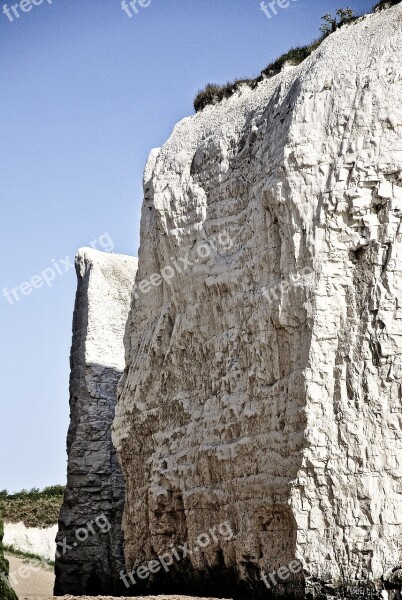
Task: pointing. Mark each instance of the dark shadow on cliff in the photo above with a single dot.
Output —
(90, 538)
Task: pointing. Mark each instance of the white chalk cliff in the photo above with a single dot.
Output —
(90, 542)
(263, 381)
(39, 541)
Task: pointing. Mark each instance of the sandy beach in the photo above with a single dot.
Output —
(37, 584)
(27, 581)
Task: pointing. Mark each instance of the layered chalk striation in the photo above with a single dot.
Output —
(263, 378)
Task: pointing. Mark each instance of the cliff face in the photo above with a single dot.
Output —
(263, 380)
(6, 593)
(31, 540)
(90, 542)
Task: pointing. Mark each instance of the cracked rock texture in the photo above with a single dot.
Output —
(91, 557)
(263, 383)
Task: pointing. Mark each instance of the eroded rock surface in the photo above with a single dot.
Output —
(6, 592)
(263, 383)
(91, 555)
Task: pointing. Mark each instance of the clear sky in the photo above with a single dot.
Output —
(86, 93)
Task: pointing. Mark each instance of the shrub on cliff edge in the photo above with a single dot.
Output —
(214, 93)
(35, 508)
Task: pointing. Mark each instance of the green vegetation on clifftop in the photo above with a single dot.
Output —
(214, 93)
(35, 508)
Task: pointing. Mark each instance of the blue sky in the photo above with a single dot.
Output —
(86, 93)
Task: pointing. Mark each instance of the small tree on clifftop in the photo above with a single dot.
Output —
(343, 15)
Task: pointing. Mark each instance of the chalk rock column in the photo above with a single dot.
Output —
(91, 555)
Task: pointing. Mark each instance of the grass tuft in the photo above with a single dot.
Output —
(294, 57)
(213, 93)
